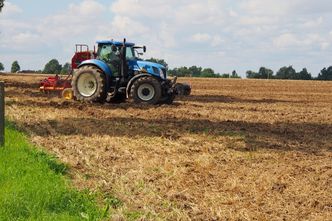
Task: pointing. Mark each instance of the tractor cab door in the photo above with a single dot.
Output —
(110, 54)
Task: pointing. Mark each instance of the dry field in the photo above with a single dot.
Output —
(234, 150)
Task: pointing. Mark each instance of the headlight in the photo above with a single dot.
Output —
(161, 73)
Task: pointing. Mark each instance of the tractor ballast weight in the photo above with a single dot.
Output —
(114, 73)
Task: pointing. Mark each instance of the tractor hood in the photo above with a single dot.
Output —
(151, 67)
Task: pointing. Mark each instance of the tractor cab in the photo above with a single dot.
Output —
(117, 53)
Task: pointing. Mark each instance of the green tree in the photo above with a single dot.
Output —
(195, 71)
(1, 67)
(252, 74)
(304, 74)
(15, 67)
(265, 73)
(208, 72)
(66, 68)
(325, 74)
(234, 75)
(225, 75)
(52, 67)
(159, 61)
(287, 73)
(181, 72)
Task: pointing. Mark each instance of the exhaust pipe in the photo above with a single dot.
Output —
(123, 59)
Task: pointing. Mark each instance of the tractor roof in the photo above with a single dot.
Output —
(117, 43)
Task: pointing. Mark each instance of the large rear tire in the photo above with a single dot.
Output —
(146, 90)
(89, 84)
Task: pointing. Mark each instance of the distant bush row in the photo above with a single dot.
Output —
(290, 73)
(287, 73)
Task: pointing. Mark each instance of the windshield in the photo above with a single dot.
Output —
(130, 55)
(104, 51)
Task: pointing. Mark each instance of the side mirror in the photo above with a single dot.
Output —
(144, 49)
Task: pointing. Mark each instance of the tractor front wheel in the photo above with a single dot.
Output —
(146, 90)
(89, 84)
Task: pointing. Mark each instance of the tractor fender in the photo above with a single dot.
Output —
(98, 63)
(102, 66)
(130, 83)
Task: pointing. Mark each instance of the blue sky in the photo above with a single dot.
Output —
(222, 34)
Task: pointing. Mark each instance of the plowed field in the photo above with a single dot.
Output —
(233, 150)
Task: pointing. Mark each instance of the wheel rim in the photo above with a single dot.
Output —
(146, 92)
(87, 84)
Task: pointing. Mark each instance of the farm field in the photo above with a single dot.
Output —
(233, 150)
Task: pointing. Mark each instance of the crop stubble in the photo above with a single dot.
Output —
(235, 149)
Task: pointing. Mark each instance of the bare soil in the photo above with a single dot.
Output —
(233, 150)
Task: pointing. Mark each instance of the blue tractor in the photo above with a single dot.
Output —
(117, 73)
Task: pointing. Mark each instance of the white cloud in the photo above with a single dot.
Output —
(126, 26)
(205, 38)
(24, 38)
(290, 40)
(312, 23)
(201, 37)
(267, 7)
(233, 13)
(216, 41)
(157, 9)
(87, 8)
(286, 40)
(259, 20)
(325, 45)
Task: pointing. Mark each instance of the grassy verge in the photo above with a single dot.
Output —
(33, 186)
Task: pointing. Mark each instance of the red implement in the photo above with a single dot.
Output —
(58, 83)
(55, 83)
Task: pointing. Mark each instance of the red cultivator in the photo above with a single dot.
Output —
(57, 84)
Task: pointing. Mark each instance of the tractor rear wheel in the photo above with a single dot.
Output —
(146, 90)
(89, 84)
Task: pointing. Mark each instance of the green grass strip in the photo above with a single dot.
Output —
(33, 185)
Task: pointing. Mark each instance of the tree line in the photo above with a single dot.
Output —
(194, 71)
(52, 67)
(289, 73)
